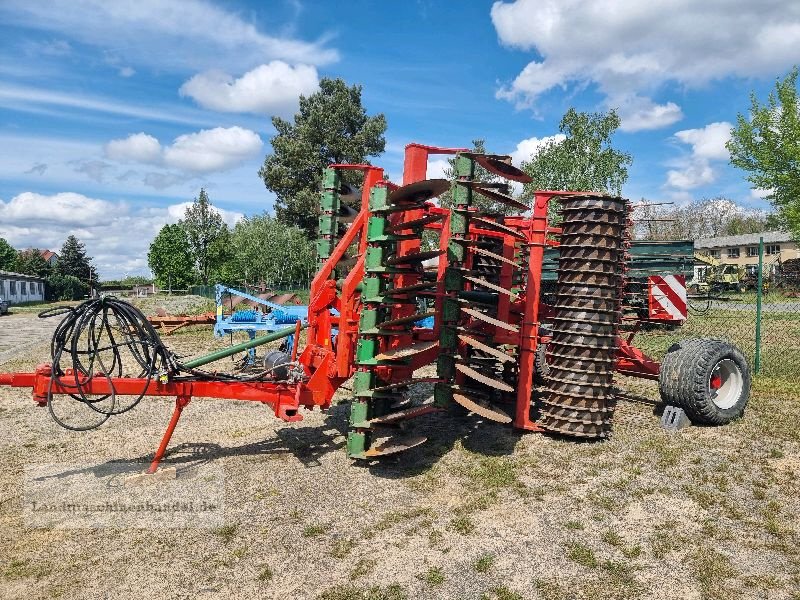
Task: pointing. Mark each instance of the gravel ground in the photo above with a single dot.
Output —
(479, 511)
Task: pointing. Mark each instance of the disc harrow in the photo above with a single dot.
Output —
(506, 347)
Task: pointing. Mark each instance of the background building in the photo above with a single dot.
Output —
(16, 287)
(742, 250)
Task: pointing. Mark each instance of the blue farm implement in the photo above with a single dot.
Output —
(260, 316)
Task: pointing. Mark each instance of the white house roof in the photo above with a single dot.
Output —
(23, 276)
(749, 239)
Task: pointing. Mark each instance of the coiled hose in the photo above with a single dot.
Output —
(107, 337)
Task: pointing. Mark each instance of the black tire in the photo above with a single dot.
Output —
(709, 379)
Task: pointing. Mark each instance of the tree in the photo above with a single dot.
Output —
(709, 217)
(203, 225)
(170, 258)
(31, 262)
(268, 251)
(66, 287)
(8, 256)
(330, 127)
(73, 261)
(766, 144)
(584, 160)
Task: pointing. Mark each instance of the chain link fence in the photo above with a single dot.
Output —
(764, 324)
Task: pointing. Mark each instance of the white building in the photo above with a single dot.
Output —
(16, 287)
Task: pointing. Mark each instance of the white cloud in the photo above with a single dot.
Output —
(271, 89)
(707, 145)
(759, 194)
(709, 141)
(437, 168)
(631, 49)
(179, 36)
(116, 235)
(528, 148)
(206, 151)
(210, 150)
(127, 72)
(638, 113)
(65, 208)
(30, 99)
(138, 147)
(693, 175)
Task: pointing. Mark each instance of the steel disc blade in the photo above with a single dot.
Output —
(411, 350)
(490, 320)
(393, 445)
(498, 354)
(482, 408)
(484, 379)
(501, 166)
(491, 286)
(489, 224)
(417, 257)
(419, 191)
(484, 252)
(495, 195)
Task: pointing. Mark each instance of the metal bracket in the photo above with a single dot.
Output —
(674, 418)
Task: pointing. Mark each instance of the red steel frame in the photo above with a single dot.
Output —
(327, 363)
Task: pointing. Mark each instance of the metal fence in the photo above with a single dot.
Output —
(764, 322)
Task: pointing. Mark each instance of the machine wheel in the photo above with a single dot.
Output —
(709, 379)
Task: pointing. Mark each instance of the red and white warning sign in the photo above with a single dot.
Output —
(667, 297)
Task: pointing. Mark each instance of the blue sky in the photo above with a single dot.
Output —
(114, 114)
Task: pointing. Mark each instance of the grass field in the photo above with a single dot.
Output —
(479, 511)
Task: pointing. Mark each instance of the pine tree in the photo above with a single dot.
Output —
(203, 225)
(73, 261)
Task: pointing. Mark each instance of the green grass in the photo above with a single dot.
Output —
(580, 553)
(24, 569)
(433, 576)
(226, 532)
(363, 567)
(314, 530)
(484, 563)
(342, 548)
(462, 524)
(265, 574)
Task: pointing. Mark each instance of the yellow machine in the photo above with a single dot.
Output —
(719, 276)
